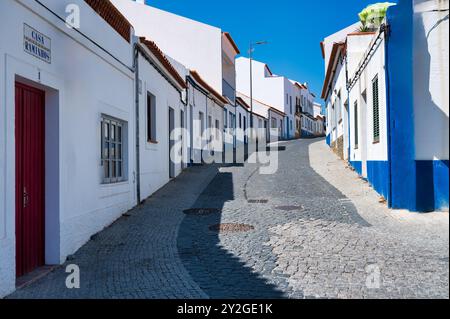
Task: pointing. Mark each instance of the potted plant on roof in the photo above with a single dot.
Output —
(373, 16)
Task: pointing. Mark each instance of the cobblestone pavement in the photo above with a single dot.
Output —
(318, 232)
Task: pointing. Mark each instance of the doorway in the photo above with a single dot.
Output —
(30, 178)
(182, 126)
(363, 121)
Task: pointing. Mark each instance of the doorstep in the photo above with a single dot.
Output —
(34, 276)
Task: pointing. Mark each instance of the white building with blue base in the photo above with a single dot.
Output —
(395, 123)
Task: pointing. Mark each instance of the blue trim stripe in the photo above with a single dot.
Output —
(378, 176)
(432, 185)
(357, 165)
(400, 108)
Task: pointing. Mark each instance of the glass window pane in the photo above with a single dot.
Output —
(113, 132)
(119, 133)
(106, 130)
(119, 168)
(113, 170)
(106, 150)
(106, 168)
(113, 150)
(119, 151)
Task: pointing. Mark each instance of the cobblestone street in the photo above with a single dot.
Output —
(317, 231)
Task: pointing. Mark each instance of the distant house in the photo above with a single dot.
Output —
(268, 88)
(206, 49)
(266, 118)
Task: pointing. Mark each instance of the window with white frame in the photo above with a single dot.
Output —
(151, 118)
(113, 142)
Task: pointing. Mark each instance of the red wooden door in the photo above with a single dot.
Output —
(30, 187)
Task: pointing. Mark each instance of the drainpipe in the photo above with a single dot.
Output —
(348, 112)
(206, 119)
(235, 125)
(138, 159)
(386, 31)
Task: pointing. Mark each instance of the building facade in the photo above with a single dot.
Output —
(180, 38)
(76, 153)
(392, 95)
(275, 91)
(69, 188)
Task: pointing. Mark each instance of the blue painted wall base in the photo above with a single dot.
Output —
(378, 177)
(357, 165)
(432, 185)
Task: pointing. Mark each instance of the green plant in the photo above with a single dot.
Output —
(373, 15)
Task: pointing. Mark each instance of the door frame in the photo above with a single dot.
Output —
(20, 188)
(171, 117)
(16, 70)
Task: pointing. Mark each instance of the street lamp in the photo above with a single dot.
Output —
(250, 52)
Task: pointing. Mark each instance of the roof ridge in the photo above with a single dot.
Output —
(153, 47)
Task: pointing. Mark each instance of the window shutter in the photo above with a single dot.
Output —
(376, 111)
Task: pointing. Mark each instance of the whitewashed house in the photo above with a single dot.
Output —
(162, 109)
(71, 188)
(69, 161)
(181, 39)
(207, 108)
(320, 120)
(268, 120)
(395, 81)
(305, 117)
(243, 134)
(335, 95)
(275, 91)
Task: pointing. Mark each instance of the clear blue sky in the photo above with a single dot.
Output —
(294, 29)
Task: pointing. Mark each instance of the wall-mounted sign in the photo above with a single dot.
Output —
(37, 44)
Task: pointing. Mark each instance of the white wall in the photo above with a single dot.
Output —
(357, 46)
(215, 111)
(335, 127)
(431, 79)
(337, 37)
(267, 89)
(317, 109)
(198, 104)
(376, 67)
(154, 157)
(196, 45)
(78, 86)
(279, 127)
(272, 90)
(241, 135)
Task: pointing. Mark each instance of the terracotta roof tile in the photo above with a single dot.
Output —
(112, 16)
(205, 85)
(164, 61)
(336, 47)
(242, 102)
(267, 105)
